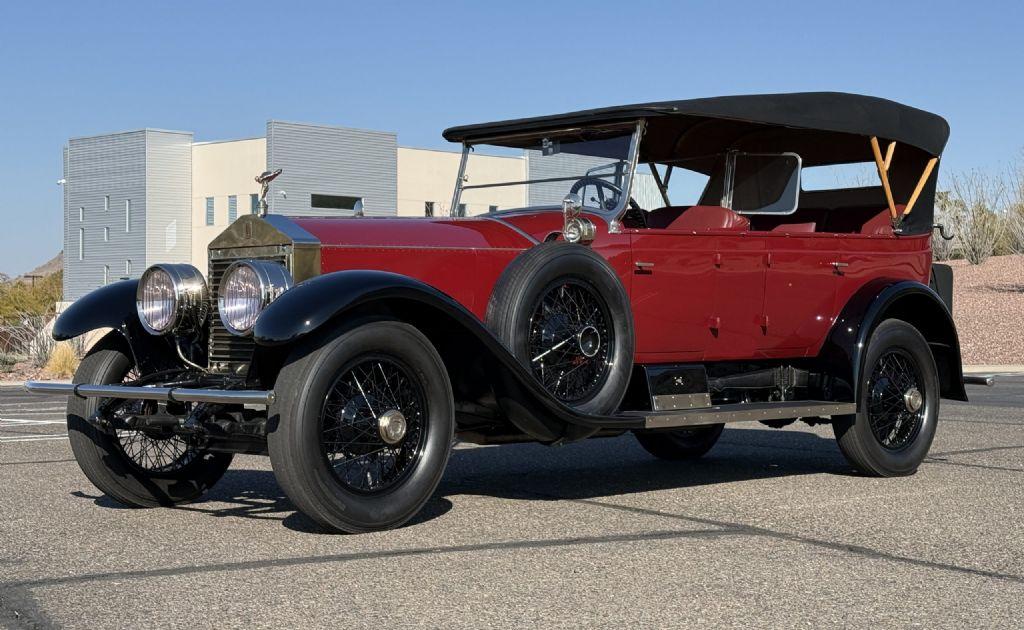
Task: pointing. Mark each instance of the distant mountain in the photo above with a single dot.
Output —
(53, 265)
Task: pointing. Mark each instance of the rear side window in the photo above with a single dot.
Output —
(839, 176)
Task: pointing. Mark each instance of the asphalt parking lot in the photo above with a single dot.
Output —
(770, 529)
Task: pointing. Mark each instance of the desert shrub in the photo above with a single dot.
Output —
(7, 360)
(21, 298)
(63, 360)
(1013, 216)
(974, 213)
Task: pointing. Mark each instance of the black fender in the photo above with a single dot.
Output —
(845, 347)
(113, 306)
(107, 307)
(315, 308)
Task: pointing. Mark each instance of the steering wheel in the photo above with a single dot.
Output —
(600, 184)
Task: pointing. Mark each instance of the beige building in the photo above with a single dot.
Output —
(135, 198)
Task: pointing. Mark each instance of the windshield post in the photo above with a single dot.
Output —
(614, 225)
(460, 178)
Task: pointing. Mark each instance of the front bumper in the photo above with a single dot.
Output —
(168, 394)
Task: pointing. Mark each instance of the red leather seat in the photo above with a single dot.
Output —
(710, 219)
(881, 223)
(796, 228)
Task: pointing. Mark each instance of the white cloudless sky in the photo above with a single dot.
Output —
(222, 69)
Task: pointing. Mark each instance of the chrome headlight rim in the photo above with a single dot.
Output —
(272, 279)
(190, 295)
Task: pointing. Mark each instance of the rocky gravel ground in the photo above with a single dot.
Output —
(988, 305)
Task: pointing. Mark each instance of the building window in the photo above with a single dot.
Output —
(492, 208)
(428, 208)
(106, 274)
(335, 202)
(128, 268)
(106, 203)
(81, 243)
(254, 204)
(127, 215)
(209, 211)
(106, 235)
(232, 208)
(462, 210)
(81, 214)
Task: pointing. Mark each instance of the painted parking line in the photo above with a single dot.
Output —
(31, 438)
(15, 422)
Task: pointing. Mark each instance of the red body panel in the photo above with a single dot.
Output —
(696, 296)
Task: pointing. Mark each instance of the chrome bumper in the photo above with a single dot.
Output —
(170, 394)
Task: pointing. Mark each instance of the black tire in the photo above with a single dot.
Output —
(888, 437)
(315, 398)
(138, 480)
(518, 296)
(680, 444)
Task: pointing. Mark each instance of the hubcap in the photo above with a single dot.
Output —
(589, 340)
(391, 425)
(913, 399)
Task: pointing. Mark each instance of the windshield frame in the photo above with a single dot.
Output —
(611, 216)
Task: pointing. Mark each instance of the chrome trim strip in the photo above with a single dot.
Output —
(171, 394)
(745, 412)
(514, 228)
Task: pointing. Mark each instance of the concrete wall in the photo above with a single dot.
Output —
(220, 170)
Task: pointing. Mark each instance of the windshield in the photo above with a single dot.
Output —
(595, 163)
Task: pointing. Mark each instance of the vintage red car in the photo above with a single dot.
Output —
(354, 351)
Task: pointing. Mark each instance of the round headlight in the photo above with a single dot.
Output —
(247, 287)
(172, 298)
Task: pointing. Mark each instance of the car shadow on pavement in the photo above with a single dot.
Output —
(590, 469)
(619, 466)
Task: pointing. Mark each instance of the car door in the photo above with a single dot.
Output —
(672, 294)
(736, 318)
(801, 282)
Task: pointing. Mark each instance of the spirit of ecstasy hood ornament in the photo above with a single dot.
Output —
(264, 179)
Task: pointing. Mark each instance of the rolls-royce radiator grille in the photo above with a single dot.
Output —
(227, 352)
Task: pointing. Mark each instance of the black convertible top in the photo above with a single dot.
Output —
(836, 112)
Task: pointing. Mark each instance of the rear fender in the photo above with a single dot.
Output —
(845, 349)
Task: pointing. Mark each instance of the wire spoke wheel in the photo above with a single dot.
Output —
(570, 341)
(373, 424)
(896, 399)
(152, 452)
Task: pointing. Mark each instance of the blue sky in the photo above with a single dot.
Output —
(223, 69)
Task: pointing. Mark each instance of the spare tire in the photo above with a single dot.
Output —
(562, 311)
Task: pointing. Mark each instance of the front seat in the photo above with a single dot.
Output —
(710, 219)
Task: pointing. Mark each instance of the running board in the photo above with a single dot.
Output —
(744, 412)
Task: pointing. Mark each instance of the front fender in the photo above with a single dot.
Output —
(110, 306)
(323, 301)
(313, 303)
(113, 306)
(845, 349)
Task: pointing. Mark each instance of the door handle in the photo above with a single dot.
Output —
(838, 266)
(644, 267)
